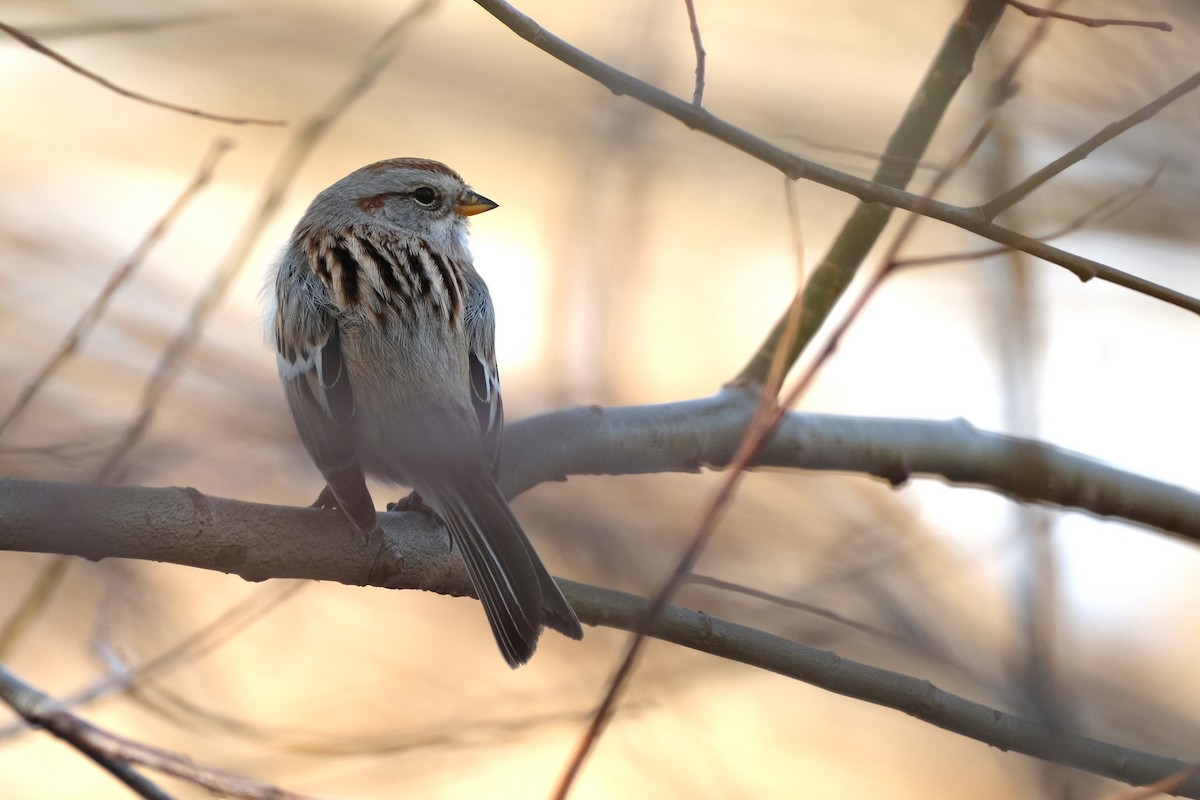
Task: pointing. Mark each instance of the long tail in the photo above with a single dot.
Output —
(517, 592)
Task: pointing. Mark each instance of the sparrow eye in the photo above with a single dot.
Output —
(424, 195)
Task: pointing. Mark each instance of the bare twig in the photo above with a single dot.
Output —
(1019, 192)
(871, 192)
(170, 364)
(34, 44)
(39, 710)
(1091, 22)
(1102, 211)
(116, 753)
(91, 315)
(787, 602)
(698, 91)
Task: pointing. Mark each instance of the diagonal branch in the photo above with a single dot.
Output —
(95, 311)
(116, 753)
(795, 167)
(1019, 192)
(34, 44)
(915, 697)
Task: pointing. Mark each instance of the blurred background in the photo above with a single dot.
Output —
(631, 261)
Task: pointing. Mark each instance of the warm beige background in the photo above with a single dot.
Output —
(632, 261)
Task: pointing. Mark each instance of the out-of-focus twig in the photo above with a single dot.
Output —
(1091, 22)
(116, 753)
(698, 46)
(1014, 195)
(194, 646)
(787, 602)
(306, 137)
(34, 44)
(1164, 786)
(91, 315)
(33, 603)
(1102, 211)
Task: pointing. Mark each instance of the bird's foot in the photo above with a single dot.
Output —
(413, 502)
(325, 499)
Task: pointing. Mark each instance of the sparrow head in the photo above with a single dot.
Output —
(414, 196)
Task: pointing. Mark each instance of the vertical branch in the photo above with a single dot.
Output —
(698, 91)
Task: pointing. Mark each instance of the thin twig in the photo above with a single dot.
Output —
(41, 709)
(1101, 212)
(91, 315)
(1019, 192)
(698, 91)
(1091, 22)
(306, 137)
(34, 44)
(787, 602)
(37, 710)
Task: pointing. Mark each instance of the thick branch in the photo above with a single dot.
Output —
(259, 541)
(689, 435)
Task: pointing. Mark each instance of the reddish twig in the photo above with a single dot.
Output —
(1091, 22)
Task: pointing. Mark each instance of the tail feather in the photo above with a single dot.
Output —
(516, 591)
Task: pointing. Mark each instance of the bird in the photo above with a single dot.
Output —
(385, 337)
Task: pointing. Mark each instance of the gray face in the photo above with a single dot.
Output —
(422, 199)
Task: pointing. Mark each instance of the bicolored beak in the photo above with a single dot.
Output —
(471, 204)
